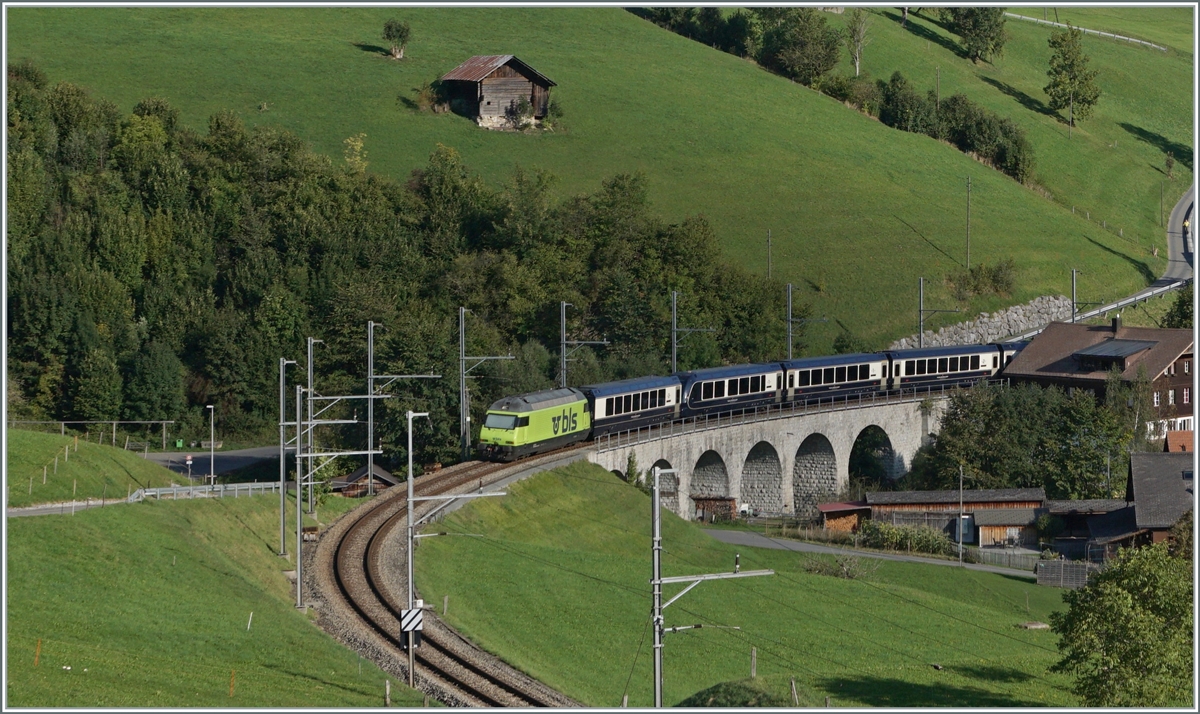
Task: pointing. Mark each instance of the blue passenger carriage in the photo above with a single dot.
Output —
(631, 403)
(740, 386)
(835, 375)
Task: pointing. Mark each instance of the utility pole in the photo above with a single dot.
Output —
(212, 444)
(1160, 203)
(283, 363)
(564, 344)
(968, 223)
(791, 320)
(309, 392)
(768, 254)
(1071, 123)
(464, 398)
(675, 330)
(960, 513)
(657, 581)
(921, 312)
(300, 428)
(1073, 303)
(938, 95)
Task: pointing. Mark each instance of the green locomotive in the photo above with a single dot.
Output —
(532, 423)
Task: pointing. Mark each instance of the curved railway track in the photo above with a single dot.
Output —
(359, 576)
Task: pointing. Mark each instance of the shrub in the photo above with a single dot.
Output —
(901, 107)
(919, 539)
(983, 279)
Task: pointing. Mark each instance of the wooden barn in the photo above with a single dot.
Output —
(489, 85)
(360, 484)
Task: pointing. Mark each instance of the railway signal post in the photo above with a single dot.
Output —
(658, 581)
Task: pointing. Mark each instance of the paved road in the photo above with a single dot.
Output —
(757, 540)
(224, 461)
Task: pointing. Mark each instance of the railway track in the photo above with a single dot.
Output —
(359, 587)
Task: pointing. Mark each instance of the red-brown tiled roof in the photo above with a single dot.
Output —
(1179, 441)
(1049, 355)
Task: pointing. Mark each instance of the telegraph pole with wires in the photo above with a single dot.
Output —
(563, 351)
(795, 320)
(657, 581)
(921, 312)
(464, 397)
(283, 424)
(676, 330)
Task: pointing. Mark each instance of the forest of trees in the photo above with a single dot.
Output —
(154, 269)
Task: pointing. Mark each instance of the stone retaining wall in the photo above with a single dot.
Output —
(995, 326)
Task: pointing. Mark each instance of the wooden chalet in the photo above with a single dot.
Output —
(845, 517)
(715, 508)
(490, 85)
(940, 510)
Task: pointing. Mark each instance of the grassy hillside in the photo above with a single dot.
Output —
(558, 586)
(858, 211)
(148, 606)
(92, 470)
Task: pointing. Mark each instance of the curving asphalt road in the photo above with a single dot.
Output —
(223, 461)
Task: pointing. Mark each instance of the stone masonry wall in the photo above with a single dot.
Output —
(814, 476)
(991, 327)
(762, 480)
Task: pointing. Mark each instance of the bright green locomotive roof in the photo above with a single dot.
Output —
(537, 400)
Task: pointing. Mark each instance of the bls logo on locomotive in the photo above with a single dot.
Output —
(568, 421)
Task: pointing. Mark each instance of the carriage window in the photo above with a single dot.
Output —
(628, 404)
(653, 398)
(839, 374)
(608, 407)
(754, 384)
(910, 367)
(791, 380)
(943, 364)
(953, 364)
(995, 361)
(662, 397)
(931, 365)
(816, 376)
(921, 366)
(646, 400)
(744, 385)
(708, 390)
(828, 375)
(719, 389)
(802, 378)
(974, 361)
(856, 372)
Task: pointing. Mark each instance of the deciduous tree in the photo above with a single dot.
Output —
(398, 33)
(981, 30)
(856, 35)
(1127, 636)
(1072, 85)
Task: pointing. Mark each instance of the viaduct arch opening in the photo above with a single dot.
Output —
(762, 479)
(814, 476)
(669, 498)
(710, 479)
(872, 459)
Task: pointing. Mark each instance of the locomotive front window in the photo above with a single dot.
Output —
(974, 361)
(802, 378)
(501, 421)
(523, 421)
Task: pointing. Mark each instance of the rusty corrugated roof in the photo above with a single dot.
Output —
(478, 67)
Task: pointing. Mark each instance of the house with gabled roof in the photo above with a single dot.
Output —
(1078, 356)
(494, 86)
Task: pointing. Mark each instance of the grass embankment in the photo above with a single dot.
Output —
(148, 605)
(849, 201)
(558, 586)
(89, 471)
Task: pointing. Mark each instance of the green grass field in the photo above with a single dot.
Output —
(857, 211)
(148, 605)
(91, 471)
(558, 586)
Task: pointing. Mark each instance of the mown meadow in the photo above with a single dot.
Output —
(162, 604)
(557, 584)
(850, 203)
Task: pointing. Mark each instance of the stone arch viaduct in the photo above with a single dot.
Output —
(776, 462)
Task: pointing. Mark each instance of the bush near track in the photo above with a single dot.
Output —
(558, 586)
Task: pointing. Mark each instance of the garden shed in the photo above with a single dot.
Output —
(489, 85)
